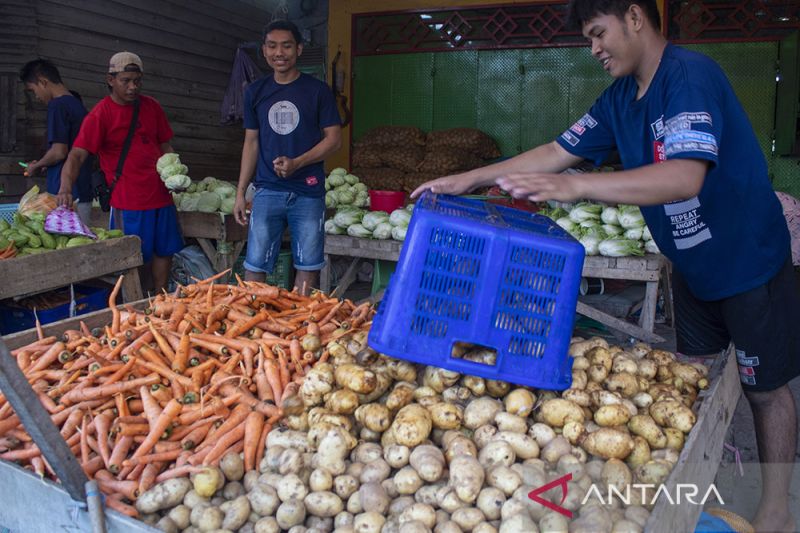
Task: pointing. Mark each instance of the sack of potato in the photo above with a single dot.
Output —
(469, 139)
(447, 160)
(392, 135)
(381, 178)
(412, 180)
(367, 156)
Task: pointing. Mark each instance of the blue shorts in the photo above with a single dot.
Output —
(272, 211)
(157, 228)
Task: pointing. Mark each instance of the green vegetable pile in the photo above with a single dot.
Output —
(207, 196)
(28, 236)
(344, 189)
(613, 231)
(370, 224)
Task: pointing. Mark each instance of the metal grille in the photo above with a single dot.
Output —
(726, 20)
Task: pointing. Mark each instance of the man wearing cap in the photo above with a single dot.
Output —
(141, 204)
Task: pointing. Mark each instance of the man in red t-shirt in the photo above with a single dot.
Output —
(141, 204)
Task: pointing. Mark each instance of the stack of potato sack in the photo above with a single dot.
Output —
(403, 157)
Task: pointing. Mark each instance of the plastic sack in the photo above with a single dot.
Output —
(244, 72)
(35, 202)
(64, 221)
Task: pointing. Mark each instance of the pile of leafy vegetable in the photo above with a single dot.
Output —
(370, 224)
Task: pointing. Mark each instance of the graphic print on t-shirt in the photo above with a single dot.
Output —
(688, 228)
(283, 117)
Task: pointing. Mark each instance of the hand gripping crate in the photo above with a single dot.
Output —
(478, 273)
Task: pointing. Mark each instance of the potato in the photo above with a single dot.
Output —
(481, 411)
(579, 379)
(569, 464)
(577, 396)
(290, 513)
(467, 518)
(208, 518)
(555, 449)
(320, 480)
(412, 425)
(374, 416)
(445, 415)
(580, 348)
(291, 487)
(497, 389)
(519, 402)
(263, 500)
(291, 461)
(667, 454)
(356, 378)
(622, 382)
(640, 454)
(490, 501)
(288, 439)
(466, 477)
(428, 461)
(342, 402)
(497, 452)
(504, 478)
(531, 474)
(518, 523)
(612, 415)
(163, 495)
(401, 395)
(460, 445)
(674, 414)
(345, 485)
(623, 363)
(323, 504)
(318, 382)
(208, 481)
(232, 490)
(476, 385)
(236, 511)
(448, 500)
(447, 527)
(637, 514)
(419, 512)
(661, 357)
(653, 472)
(396, 455)
(412, 526)
(675, 438)
(484, 434)
(542, 433)
(524, 447)
(557, 411)
(439, 379)
(616, 474)
(180, 516)
(554, 522)
(645, 426)
(508, 422)
(368, 523)
(456, 394)
(574, 432)
(608, 443)
(373, 498)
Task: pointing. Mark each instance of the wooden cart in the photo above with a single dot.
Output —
(650, 269)
(50, 270)
(697, 464)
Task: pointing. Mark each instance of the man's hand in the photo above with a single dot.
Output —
(240, 209)
(284, 166)
(33, 168)
(539, 187)
(64, 198)
(455, 184)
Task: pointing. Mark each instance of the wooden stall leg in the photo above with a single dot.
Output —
(131, 286)
(325, 276)
(211, 253)
(666, 288)
(648, 314)
(348, 278)
(620, 325)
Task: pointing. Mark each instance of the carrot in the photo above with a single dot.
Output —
(237, 344)
(158, 429)
(179, 471)
(166, 372)
(85, 440)
(261, 446)
(166, 349)
(214, 347)
(253, 426)
(112, 304)
(91, 393)
(117, 505)
(273, 376)
(181, 358)
(109, 484)
(148, 477)
(49, 357)
(223, 441)
(151, 408)
(212, 278)
(245, 325)
(236, 417)
(102, 423)
(121, 448)
(169, 455)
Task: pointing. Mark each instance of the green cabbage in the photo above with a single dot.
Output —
(226, 205)
(357, 230)
(567, 224)
(646, 235)
(410, 208)
(400, 217)
(651, 247)
(630, 217)
(167, 160)
(345, 197)
(620, 247)
(610, 215)
(225, 190)
(584, 211)
(591, 243)
(332, 229)
(383, 231)
(330, 200)
(399, 233)
(350, 179)
(208, 202)
(173, 170)
(178, 182)
(633, 234)
(189, 201)
(612, 230)
(336, 180)
(192, 187)
(360, 187)
(361, 200)
(346, 218)
(373, 218)
(339, 170)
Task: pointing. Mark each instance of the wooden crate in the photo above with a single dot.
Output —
(50, 270)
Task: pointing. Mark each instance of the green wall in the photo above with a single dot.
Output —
(524, 98)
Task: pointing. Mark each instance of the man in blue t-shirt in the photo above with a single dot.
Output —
(65, 113)
(694, 164)
(291, 125)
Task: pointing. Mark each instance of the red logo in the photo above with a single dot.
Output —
(659, 153)
(747, 371)
(560, 482)
(311, 181)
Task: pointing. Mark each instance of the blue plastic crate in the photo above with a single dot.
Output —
(478, 273)
(7, 212)
(14, 317)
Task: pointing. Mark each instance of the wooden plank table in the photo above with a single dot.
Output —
(230, 237)
(50, 270)
(648, 269)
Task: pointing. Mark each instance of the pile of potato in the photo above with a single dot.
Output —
(383, 445)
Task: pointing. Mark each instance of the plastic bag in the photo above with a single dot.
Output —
(244, 72)
(35, 202)
(64, 221)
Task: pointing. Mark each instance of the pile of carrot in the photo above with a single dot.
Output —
(9, 252)
(163, 392)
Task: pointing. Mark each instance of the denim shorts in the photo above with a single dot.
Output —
(157, 228)
(272, 211)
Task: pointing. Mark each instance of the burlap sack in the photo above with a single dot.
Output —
(381, 178)
(393, 135)
(413, 180)
(445, 160)
(405, 157)
(367, 156)
(469, 139)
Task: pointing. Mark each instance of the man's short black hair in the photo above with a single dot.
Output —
(283, 25)
(579, 12)
(39, 68)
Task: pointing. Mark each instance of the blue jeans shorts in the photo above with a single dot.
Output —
(157, 228)
(272, 211)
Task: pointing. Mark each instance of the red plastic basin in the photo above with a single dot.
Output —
(386, 200)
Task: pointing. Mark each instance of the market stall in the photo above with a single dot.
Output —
(649, 269)
(50, 270)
